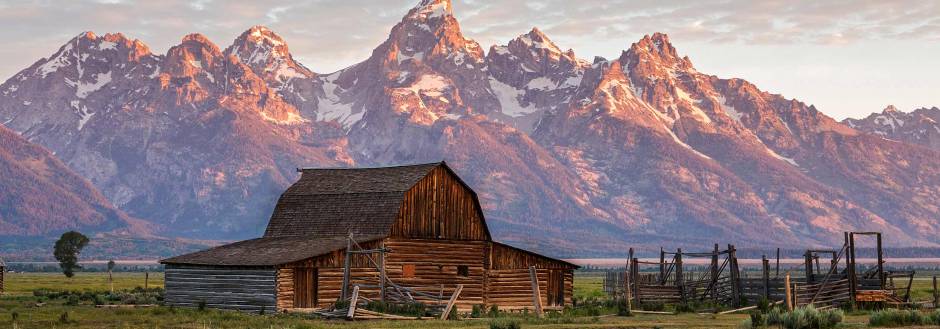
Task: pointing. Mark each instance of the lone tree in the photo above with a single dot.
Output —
(110, 278)
(67, 249)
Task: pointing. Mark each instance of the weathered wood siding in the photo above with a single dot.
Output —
(512, 289)
(249, 289)
(436, 263)
(329, 276)
(510, 284)
(440, 207)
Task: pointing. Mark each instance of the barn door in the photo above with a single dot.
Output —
(305, 287)
(556, 288)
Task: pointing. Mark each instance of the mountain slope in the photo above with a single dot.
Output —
(41, 196)
(571, 156)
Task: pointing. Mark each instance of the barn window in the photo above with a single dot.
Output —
(408, 270)
(463, 270)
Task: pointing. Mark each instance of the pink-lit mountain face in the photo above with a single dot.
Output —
(574, 156)
(921, 126)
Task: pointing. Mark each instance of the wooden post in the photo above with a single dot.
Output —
(787, 292)
(146, 280)
(808, 262)
(629, 298)
(850, 264)
(450, 303)
(662, 266)
(110, 280)
(936, 294)
(345, 288)
(536, 294)
(765, 266)
(881, 261)
(636, 279)
(630, 270)
(382, 275)
(351, 313)
(714, 275)
(735, 276)
(679, 276)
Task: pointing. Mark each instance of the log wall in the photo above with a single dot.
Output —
(440, 207)
(250, 289)
(512, 289)
(436, 263)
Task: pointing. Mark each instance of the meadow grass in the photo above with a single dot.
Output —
(20, 286)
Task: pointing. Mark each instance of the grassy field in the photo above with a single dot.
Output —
(19, 299)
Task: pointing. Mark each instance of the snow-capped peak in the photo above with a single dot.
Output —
(432, 9)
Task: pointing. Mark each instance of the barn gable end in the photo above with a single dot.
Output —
(440, 206)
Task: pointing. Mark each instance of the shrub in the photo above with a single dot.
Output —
(64, 318)
(746, 324)
(934, 318)
(653, 306)
(407, 309)
(201, 306)
(898, 318)
(774, 317)
(504, 324)
(757, 319)
(477, 311)
(622, 309)
(72, 300)
(808, 318)
(494, 311)
(763, 305)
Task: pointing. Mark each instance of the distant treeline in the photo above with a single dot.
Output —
(53, 268)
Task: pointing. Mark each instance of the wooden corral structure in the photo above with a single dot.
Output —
(837, 280)
(396, 234)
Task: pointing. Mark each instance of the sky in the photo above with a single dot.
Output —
(849, 58)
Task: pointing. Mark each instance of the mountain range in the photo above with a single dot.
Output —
(568, 156)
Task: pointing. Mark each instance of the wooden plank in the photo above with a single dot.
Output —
(450, 303)
(351, 313)
(536, 295)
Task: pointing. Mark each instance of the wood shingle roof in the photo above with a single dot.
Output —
(327, 203)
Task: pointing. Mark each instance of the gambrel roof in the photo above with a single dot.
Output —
(327, 203)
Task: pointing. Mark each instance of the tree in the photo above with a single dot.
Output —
(110, 278)
(67, 248)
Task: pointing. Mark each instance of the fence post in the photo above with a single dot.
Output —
(662, 266)
(714, 275)
(626, 287)
(808, 261)
(787, 292)
(777, 273)
(735, 276)
(850, 264)
(765, 266)
(679, 275)
(936, 294)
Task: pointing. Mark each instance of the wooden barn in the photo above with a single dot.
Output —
(415, 227)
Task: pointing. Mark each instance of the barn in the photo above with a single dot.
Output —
(415, 231)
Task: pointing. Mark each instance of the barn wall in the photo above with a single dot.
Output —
(436, 263)
(223, 287)
(512, 289)
(330, 276)
(439, 207)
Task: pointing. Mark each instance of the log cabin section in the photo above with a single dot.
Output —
(426, 219)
